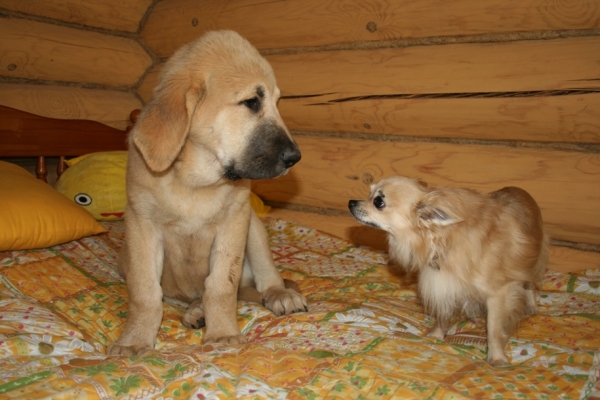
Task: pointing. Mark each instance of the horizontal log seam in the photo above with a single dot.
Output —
(4, 13)
(380, 137)
(437, 40)
(332, 212)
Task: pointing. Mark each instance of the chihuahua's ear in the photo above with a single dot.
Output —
(435, 211)
(422, 184)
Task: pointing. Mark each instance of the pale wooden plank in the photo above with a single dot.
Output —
(506, 69)
(335, 170)
(299, 23)
(114, 15)
(573, 118)
(109, 107)
(36, 50)
(521, 66)
(562, 259)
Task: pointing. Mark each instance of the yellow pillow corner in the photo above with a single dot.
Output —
(257, 204)
(34, 215)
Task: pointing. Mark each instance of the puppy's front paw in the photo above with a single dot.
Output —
(498, 361)
(283, 301)
(232, 339)
(117, 349)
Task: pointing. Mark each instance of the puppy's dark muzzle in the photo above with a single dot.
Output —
(269, 154)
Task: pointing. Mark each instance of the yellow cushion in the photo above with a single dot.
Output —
(96, 181)
(257, 204)
(34, 215)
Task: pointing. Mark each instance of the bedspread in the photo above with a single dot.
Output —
(363, 337)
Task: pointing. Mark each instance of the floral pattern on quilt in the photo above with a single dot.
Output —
(363, 337)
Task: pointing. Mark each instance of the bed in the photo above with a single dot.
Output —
(363, 337)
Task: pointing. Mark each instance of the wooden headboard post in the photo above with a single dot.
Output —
(27, 135)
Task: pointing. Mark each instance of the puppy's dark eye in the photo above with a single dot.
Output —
(379, 203)
(252, 103)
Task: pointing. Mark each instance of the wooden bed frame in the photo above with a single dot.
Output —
(25, 135)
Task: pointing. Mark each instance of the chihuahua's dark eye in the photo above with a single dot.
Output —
(379, 203)
(252, 103)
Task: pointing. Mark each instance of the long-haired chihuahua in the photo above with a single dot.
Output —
(476, 253)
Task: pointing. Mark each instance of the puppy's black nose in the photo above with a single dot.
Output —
(352, 204)
(290, 156)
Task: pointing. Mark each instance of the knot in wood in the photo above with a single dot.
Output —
(367, 178)
(371, 26)
(194, 21)
(12, 67)
(366, 126)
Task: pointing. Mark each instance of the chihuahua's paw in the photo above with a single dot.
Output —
(283, 301)
(437, 333)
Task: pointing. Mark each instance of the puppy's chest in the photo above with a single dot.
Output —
(190, 207)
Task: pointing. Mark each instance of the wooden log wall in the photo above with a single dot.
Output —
(468, 93)
(73, 59)
(465, 93)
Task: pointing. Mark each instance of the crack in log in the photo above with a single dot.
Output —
(468, 95)
(394, 138)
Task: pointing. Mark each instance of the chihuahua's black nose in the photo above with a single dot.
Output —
(352, 204)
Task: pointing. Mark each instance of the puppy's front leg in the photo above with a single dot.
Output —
(140, 263)
(277, 296)
(221, 285)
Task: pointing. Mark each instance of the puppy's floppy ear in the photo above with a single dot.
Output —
(161, 129)
(436, 211)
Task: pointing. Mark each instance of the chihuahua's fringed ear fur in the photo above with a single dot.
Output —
(433, 211)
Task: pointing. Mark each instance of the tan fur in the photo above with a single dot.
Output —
(475, 253)
(191, 235)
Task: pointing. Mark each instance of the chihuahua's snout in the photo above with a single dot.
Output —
(352, 204)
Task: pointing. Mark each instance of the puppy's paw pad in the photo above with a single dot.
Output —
(194, 318)
(193, 322)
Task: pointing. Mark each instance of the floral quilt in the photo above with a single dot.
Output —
(362, 338)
